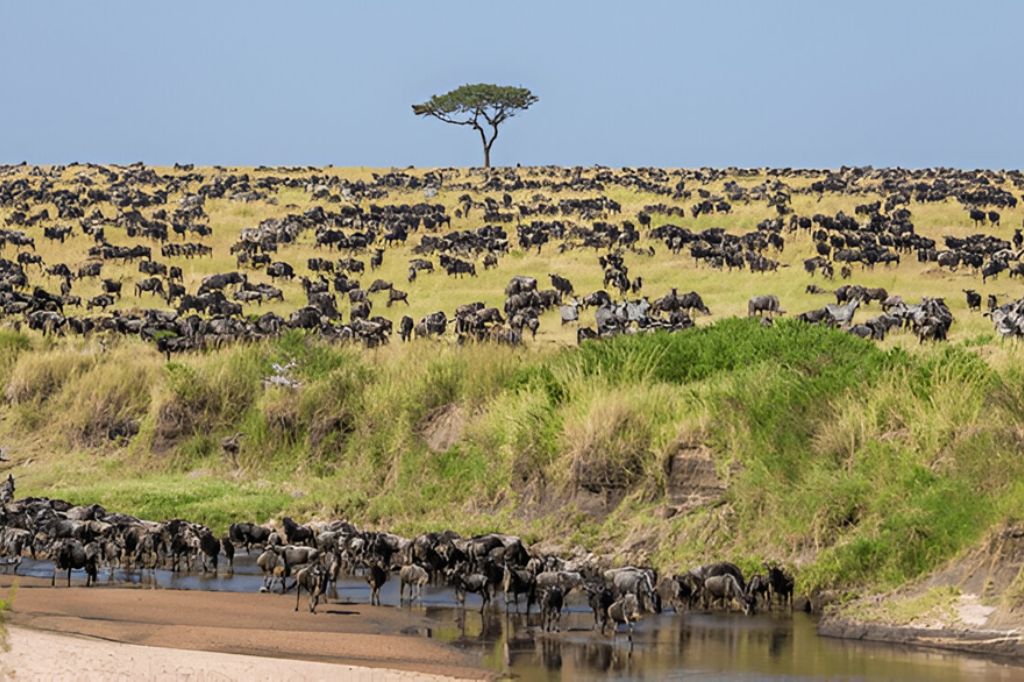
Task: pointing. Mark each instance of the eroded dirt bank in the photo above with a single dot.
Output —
(979, 642)
(975, 604)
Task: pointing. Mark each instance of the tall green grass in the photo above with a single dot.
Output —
(855, 465)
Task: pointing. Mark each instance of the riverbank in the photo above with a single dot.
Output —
(973, 604)
(252, 627)
(85, 659)
(979, 642)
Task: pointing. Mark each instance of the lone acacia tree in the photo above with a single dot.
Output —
(476, 106)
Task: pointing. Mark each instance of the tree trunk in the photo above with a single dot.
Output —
(487, 147)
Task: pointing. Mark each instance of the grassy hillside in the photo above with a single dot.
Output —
(858, 465)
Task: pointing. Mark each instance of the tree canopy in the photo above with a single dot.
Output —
(476, 106)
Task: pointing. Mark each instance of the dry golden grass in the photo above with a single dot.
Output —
(726, 293)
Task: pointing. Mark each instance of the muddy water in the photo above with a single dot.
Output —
(693, 646)
(701, 647)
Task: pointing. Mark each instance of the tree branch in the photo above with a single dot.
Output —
(480, 129)
(499, 116)
(441, 117)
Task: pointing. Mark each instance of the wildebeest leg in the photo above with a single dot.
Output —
(314, 597)
(298, 593)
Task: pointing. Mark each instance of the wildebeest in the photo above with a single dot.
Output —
(209, 547)
(313, 578)
(780, 585)
(434, 324)
(248, 534)
(562, 285)
(516, 582)
(377, 259)
(71, 555)
(405, 327)
(551, 609)
(474, 582)
(973, 299)
(229, 552)
(90, 270)
(636, 581)
(112, 287)
(376, 576)
(725, 589)
(103, 301)
(280, 269)
(151, 285)
(758, 305)
(294, 534)
(396, 295)
(758, 588)
(272, 567)
(599, 598)
(415, 577)
(624, 611)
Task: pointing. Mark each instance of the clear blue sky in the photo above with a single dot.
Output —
(755, 83)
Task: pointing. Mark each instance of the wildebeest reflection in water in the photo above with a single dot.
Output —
(670, 645)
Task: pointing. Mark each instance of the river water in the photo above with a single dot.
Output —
(691, 646)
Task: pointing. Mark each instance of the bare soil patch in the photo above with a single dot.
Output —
(249, 624)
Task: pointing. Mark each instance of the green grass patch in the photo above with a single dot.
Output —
(935, 606)
(854, 465)
(216, 503)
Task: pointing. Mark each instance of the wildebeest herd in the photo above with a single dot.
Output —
(167, 255)
(310, 558)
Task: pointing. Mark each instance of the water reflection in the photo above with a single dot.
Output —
(669, 646)
(698, 646)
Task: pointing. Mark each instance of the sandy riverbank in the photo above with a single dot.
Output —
(37, 655)
(256, 626)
